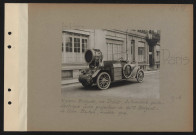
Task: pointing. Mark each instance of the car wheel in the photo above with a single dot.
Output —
(127, 71)
(103, 80)
(140, 76)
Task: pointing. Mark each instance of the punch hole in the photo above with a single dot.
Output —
(9, 89)
(9, 46)
(9, 102)
(9, 33)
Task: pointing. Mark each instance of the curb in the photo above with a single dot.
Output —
(150, 72)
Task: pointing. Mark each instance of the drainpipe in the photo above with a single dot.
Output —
(126, 46)
(94, 39)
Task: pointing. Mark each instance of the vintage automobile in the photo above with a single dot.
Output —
(102, 73)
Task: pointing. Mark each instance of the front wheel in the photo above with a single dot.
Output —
(140, 76)
(103, 80)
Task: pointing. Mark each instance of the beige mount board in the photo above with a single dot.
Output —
(33, 66)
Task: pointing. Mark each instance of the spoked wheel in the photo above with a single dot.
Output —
(103, 80)
(140, 76)
(127, 71)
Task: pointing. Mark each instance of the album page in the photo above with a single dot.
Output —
(101, 67)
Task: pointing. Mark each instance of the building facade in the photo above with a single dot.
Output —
(114, 44)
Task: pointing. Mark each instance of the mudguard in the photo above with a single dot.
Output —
(95, 74)
(134, 71)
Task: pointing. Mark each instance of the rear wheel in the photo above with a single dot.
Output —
(103, 80)
(140, 76)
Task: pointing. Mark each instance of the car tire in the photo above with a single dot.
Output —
(103, 80)
(140, 76)
(127, 71)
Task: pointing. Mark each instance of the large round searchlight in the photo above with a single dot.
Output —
(93, 55)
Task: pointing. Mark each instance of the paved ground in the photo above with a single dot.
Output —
(149, 88)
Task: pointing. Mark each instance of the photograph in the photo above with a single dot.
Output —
(110, 63)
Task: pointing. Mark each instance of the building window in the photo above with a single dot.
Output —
(74, 47)
(84, 45)
(66, 74)
(114, 51)
(140, 54)
(62, 47)
(109, 51)
(69, 44)
(133, 50)
(77, 45)
(158, 55)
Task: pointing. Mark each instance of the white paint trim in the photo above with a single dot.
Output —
(78, 32)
